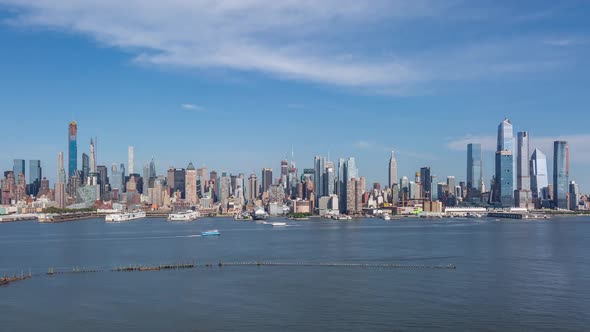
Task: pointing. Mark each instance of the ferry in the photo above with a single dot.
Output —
(189, 215)
(119, 217)
(212, 232)
(260, 214)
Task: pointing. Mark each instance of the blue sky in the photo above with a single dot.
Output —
(234, 84)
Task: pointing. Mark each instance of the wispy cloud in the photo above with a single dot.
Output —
(578, 144)
(365, 144)
(559, 42)
(289, 39)
(192, 107)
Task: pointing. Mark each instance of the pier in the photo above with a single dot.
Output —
(505, 215)
(52, 272)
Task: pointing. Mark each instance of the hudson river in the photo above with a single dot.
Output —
(510, 276)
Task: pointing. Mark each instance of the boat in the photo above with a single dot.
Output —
(189, 215)
(260, 214)
(278, 224)
(344, 217)
(386, 216)
(212, 232)
(119, 217)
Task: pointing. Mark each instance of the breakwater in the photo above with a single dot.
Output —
(220, 264)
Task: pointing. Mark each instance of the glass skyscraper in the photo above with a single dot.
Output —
(560, 174)
(72, 148)
(474, 167)
(539, 176)
(504, 178)
(34, 176)
(18, 167)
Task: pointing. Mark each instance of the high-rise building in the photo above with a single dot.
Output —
(266, 179)
(102, 179)
(176, 181)
(284, 172)
(72, 148)
(190, 185)
(574, 195)
(426, 184)
(152, 169)
(504, 177)
(85, 167)
(451, 184)
(252, 188)
(35, 177)
(319, 164)
(434, 188)
(392, 170)
(18, 168)
(505, 153)
(131, 159)
(60, 184)
(561, 171)
(116, 179)
(523, 196)
(539, 174)
(474, 171)
(329, 178)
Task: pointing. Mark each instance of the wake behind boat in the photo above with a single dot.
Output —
(189, 215)
(120, 217)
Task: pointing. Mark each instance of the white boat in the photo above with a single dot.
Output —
(119, 217)
(278, 224)
(189, 215)
(386, 216)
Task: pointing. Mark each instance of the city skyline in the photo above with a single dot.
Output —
(140, 95)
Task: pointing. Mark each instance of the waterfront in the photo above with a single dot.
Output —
(511, 275)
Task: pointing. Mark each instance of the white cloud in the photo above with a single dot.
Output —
(364, 144)
(288, 39)
(192, 107)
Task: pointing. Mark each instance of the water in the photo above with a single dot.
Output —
(511, 275)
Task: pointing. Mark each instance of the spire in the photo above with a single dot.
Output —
(190, 167)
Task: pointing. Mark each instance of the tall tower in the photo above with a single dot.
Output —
(61, 173)
(266, 179)
(152, 168)
(539, 175)
(252, 188)
(18, 168)
(523, 196)
(561, 169)
(60, 184)
(474, 167)
(35, 176)
(72, 148)
(392, 170)
(92, 158)
(190, 184)
(504, 184)
(130, 161)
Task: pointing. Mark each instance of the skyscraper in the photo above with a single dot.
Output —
(426, 184)
(35, 176)
(474, 171)
(319, 164)
(18, 168)
(574, 195)
(131, 159)
(523, 196)
(392, 170)
(252, 188)
(191, 184)
(539, 175)
(505, 177)
(329, 178)
(152, 168)
(60, 184)
(72, 148)
(560, 174)
(266, 179)
(85, 167)
(61, 172)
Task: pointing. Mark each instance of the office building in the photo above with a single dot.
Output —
(266, 179)
(523, 196)
(392, 170)
(35, 176)
(504, 177)
(425, 178)
(474, 171)
(560, 174)
(72, 148)
(190, 185)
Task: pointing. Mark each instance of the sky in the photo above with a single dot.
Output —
(235, 85)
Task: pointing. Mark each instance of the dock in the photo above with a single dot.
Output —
(505, 215)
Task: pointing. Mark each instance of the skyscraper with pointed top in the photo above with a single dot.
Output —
(504, 180)
(392, 170)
